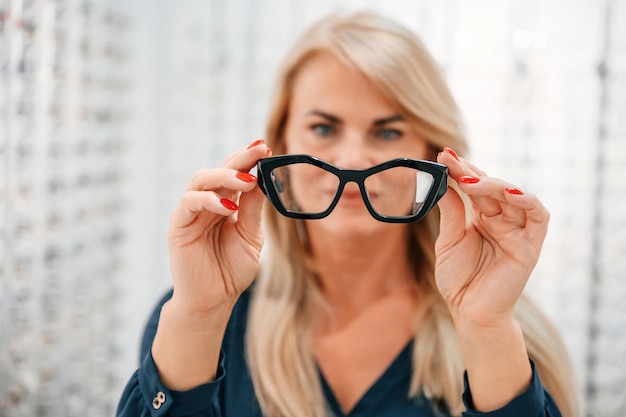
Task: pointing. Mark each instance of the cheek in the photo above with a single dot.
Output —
(419, 148)
(312, 189)
(428, 150)
(295, 147)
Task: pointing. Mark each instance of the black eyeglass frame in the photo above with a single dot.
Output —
(438, 189)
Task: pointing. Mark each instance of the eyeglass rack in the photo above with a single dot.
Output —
(62, 134)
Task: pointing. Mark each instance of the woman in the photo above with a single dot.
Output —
(350, 315)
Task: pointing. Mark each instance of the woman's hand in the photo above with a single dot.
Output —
(485, 255)
(215, 242)
(215, 234)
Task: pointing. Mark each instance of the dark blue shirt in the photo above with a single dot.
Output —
(232, 394)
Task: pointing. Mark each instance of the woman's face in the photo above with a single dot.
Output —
(337, 115)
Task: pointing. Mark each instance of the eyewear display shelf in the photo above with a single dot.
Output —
(62, 121)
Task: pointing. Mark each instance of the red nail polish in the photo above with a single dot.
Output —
(245, 177)
(451, 152)
(255, 143)
(514, 191)
(229, 204)
(467, 179)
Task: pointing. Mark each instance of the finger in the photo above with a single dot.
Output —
(245, 159)
(460, 169)
(473, 169)
(458, 166)
(489, 197)
(234, 154)
(537, 216)
(485, 194)
(513, 215)
(216, 179)
(250, 213)
(195, 202)
(452, 219)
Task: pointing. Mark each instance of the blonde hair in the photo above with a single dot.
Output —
(278, 342)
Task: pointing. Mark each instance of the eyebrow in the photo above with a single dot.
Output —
(334, 119)
(383, 121)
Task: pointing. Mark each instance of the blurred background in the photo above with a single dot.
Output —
(108, 107)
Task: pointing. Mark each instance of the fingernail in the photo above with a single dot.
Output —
(255, 143)
(514, 191)
(229, 204)
(245, 177)
(451, 152)
(467, 179)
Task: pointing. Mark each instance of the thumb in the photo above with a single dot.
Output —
(249, 215)
(452, 220)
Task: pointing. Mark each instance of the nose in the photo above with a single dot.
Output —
(353, 152)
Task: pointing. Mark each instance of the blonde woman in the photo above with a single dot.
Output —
(364, 305)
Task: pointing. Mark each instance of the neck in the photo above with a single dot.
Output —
(356, 273)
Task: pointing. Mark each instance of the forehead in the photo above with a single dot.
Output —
(327, 83)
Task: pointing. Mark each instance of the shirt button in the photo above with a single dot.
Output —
(158, 401)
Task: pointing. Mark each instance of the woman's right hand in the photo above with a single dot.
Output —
(215, 235)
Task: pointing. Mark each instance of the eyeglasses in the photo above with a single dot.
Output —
(402, 190)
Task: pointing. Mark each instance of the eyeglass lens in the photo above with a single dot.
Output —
(308, 189)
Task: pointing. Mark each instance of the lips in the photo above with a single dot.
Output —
(351, 198)
(350, 194)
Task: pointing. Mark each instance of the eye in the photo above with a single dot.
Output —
(388, 134)
(323, 129)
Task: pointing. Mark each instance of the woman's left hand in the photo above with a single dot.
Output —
(485, 254)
